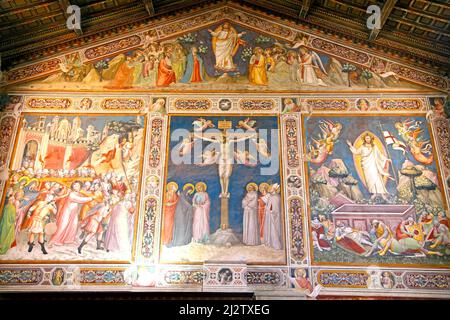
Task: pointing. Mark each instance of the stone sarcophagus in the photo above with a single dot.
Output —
(359, 216)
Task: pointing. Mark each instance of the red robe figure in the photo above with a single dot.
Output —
(166, 75)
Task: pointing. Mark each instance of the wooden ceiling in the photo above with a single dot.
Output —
(411, 29)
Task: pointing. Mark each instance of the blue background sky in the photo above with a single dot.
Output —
(241, 175)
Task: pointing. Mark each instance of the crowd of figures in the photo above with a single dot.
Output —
(231, 57)
(407, 237)
(187, 215)
(68, 208)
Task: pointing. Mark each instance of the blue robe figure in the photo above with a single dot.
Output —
(182, 225)
(194, 68)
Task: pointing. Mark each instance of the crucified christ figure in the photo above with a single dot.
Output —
(225, 154)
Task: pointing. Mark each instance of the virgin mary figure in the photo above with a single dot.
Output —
(194, 69)
(182, 227)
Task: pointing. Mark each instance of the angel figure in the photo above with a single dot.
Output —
(185, 146)
(262, 147)
(309, 61)
(202, 124)
(247, 124)
(330, 133)
(245, 158)
(410, 132)
(324, 145)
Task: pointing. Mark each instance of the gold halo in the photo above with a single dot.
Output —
(26, 178)
(265, 185)
(189, 185)
(172, 184)
(251, 184)
(32, 180)
(198, 184)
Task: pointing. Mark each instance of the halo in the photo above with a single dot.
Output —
(263, 185)
(251, 184)
(172, 184)
(198, 184)
(27, 179)
(31, 180)
(187, 185)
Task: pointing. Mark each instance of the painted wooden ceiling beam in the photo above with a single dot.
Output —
(149, 7)
(385, 12)
(304, 8)
(64, 4)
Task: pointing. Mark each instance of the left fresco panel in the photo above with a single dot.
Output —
(73, 189)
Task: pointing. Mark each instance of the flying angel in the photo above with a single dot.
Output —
(247, 124)
(245, 158)
(202, 124)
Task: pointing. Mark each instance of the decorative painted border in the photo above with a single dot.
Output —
(33, 71)
(122, 104)
(20, 276)
(400, 104)
(257, 104)
(192, 104)
(112, 47)
(343, 279)
(101, 276)
(48, 103)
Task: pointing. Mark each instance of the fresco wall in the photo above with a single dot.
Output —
(228, 159)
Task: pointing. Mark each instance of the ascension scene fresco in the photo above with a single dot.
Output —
(225, 56)
(223, 194)
(375, 191)
(73, 189)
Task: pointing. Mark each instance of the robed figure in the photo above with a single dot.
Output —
(200, 220)
(166, 75)
(272, 225)
(67, 217)
(194, 68)
(257, 68)
(170, 205)
(374, 165)
(123, 78)
(225, 43)
(117, 235)
(250, 220)
(182, 226)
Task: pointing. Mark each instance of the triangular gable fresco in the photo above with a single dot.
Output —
(253, 54)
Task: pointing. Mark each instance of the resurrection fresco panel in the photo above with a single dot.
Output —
(73, 188)
(375, 191)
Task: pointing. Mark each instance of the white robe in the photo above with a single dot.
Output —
(225, 43)
(307, 74)
(200, 219)
(272, 222)
(250, 222)
(373, 163)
